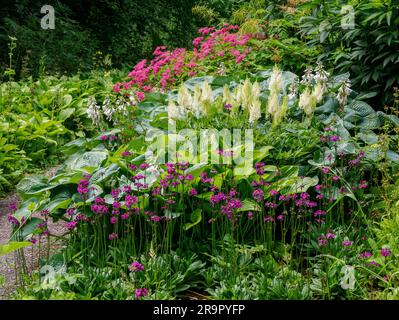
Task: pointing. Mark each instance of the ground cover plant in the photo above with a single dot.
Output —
(255, 152)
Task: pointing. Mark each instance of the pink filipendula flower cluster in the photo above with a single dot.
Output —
(168, 66)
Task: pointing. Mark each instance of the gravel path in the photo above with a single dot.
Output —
(7, 262)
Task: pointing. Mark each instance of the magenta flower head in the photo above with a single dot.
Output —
(365, 255)
(258, 195)
(330, 235)
(325, 170)
(334, 138)
(112, 236)
(385, 252)
(71, 225)
(136, 266)
(144, 166)
(113, 220)
(228, 106)
(273, 193)
(193, 192)
(126, 154)
(12, 220)
(141, 292)
(12, 207)
(104, 138)
(347, 243)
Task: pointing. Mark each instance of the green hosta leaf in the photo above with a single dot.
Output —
(196, 218)
(196, 169)
(91, 159)
(249, 205)
(27, 229)
(346, 147)
(66, 113)
(370, 122)
(330, 106)
(34, 184)
(12, 246)
(362, 108)
(206, 196)
(392, 156)
(368, 137)
(104, 173)
(244, 170)
(61, 201)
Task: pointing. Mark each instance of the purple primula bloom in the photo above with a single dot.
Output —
(322, 241)
(112, 236)
(330, 235)
(385, 252)
(334, 138)
(132, 167)
(365, 255)
(193, 192)
(319, 213)
(227, 106)
(144, 166)
(273, 192)
(71, 225)
(71, 211)
(12, 220)
(113, 220)
(141, 292)
(258, 195)
(130, 200)
(104, 138)
(126, 154)
(13, 207)
(136, 267)
(125, 216)
(269, 219)
(189, 177)
(336, 178)
(347, 243)
(325, 170)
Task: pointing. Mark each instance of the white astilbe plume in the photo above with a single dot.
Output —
(246, 94)
(206, 97)
(307, 102)
(227, 95)
(281, 112)
(196, 102)
(173, 111)
(184, 98)
(255, 105)
(318, 91)
(275, 84)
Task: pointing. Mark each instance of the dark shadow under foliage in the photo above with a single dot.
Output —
(126, 30)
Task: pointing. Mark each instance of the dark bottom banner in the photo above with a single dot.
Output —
(200, 309)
